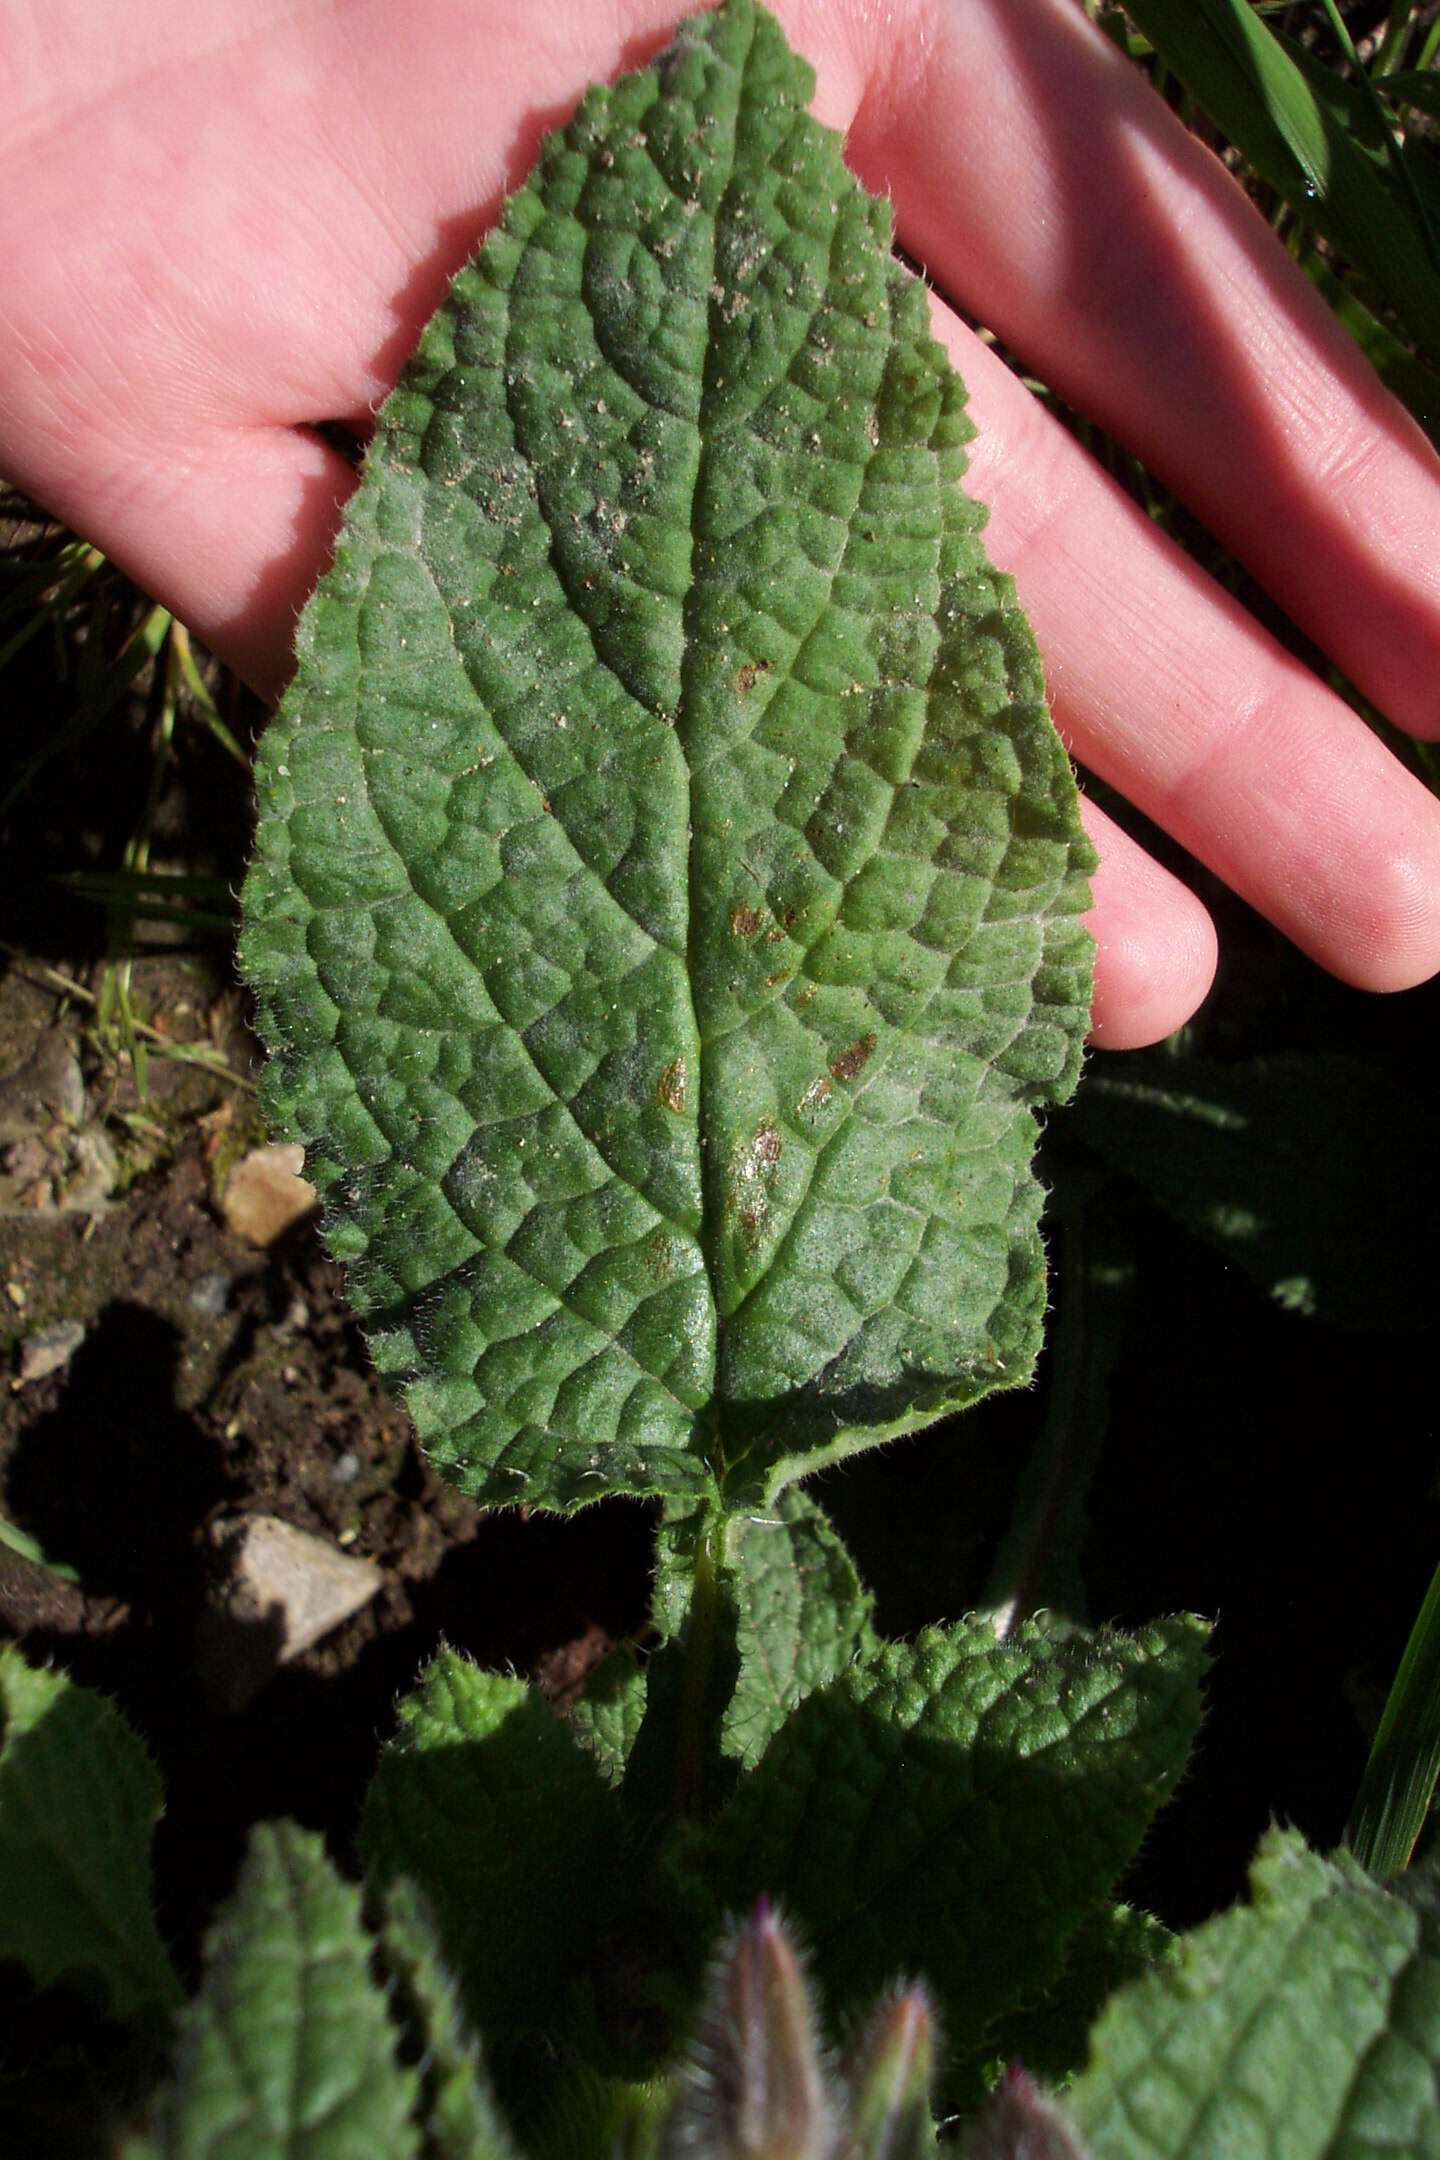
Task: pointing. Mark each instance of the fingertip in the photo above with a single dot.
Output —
(1155, 945)
(1387, 936)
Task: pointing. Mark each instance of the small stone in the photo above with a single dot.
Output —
(26, 1159)
(283, 1591)
(49, 1350)
(49, 1080)
(209, 1294)
(345, 1468)
(265, 1193)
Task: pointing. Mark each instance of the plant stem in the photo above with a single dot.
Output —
(1038, 1561)
(700, 1630)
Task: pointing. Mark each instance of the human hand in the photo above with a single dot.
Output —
(219, 230)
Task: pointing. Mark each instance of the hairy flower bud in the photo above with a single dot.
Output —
(1022, 2123)
(755, 2087)
(890, 2084)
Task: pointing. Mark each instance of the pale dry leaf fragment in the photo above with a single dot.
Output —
(49, 1351)
(265, 1194)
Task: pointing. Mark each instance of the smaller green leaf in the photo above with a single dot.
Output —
(607, 1719)
(957, 1806)
(288, 2049)
(1115, 1945)
(803, 1616)
(1306, 2024)
(79, 1800)
(460, 2119)
(505, 1823)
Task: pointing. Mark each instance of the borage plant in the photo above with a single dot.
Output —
(666, 923)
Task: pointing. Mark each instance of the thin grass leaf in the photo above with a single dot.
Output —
(1418, 88)
(40, 601)
(1259, 96)
(98, 696)
(196, 920)
(1404, 168)
(1416, 385)
(124, 886)
(29, 1548)
(1392, 42)
(201, 1054)
(1396, 1792)
(203, 702)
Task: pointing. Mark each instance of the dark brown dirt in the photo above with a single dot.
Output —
(213, 1380)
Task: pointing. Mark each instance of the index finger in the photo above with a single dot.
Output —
(1055, 197)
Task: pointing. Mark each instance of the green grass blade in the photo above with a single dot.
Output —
(1416, 385)
(203, 703)
(39, 601)
(1296, 138)
(1399, 1782)
(20, 1541)
(1419, 87)
(1404, 170)
(109, 687)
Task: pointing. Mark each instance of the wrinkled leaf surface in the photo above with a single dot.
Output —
(664, 910)
(79, 1800)
(1304, 2025)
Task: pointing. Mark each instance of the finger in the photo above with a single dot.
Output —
(1054, 196)
(1154, 942)
(230, 532)
(1166, 687)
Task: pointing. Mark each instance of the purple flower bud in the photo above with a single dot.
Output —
(755, 2086)
(1022, 2123)
(890, 2083)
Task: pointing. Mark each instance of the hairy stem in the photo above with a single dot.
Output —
(700, 1639)
(1038, 1562)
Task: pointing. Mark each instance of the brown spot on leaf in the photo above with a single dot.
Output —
(852, 1062)
(767, 1144)
(670, 1089)
(744, 921)
(751, 672)
(750, 1180)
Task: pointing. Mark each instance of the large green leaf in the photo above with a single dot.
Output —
(287, 2052)
(79, 1800)
(1305, 2025)
(959, 1807)
(665, 906)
